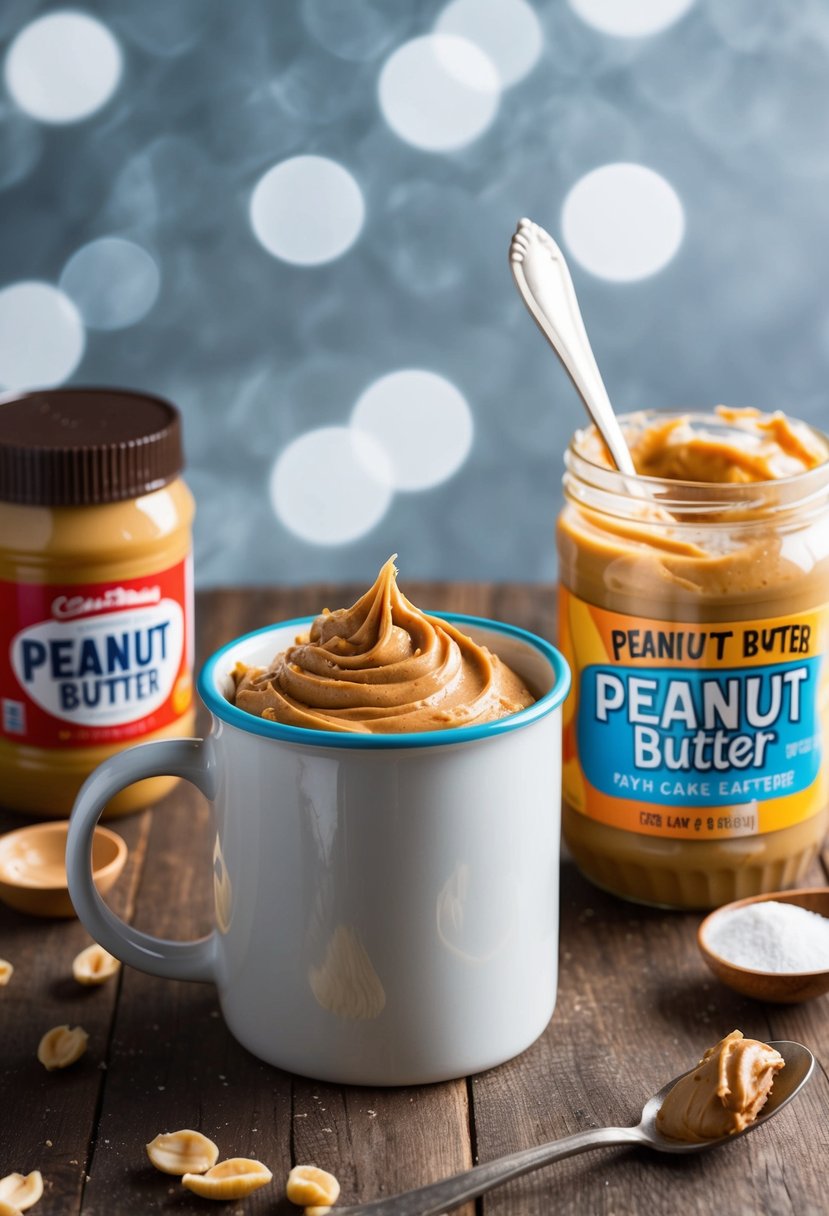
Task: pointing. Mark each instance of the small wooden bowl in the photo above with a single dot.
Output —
(785, 988)
(33, 868)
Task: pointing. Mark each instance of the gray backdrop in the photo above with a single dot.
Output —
(197, 100)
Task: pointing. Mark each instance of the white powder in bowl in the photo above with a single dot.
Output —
(770, 936)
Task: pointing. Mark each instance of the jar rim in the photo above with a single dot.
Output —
(796, 491)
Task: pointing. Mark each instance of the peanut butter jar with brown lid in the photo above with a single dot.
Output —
(96, 617)
(694, 613)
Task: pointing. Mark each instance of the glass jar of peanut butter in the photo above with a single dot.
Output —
(694, 612)
(96, 621)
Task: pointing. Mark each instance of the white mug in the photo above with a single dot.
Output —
(386, 906)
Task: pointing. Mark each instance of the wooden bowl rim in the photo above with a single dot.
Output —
(60, 827)
(783, 897)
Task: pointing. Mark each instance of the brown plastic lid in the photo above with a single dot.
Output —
(74, 447)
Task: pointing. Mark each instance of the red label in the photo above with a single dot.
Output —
(91, 663)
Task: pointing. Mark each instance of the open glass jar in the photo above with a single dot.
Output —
(695, 618)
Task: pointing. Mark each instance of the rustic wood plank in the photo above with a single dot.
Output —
(382, 1141)
(47, 1120)
(636, 1006)
(231, 612)
(532, 608)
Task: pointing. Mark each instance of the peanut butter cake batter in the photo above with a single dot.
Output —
(382, 667)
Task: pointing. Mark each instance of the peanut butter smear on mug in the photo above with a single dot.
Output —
(757, 447)
(382, 667)
(725, 1092)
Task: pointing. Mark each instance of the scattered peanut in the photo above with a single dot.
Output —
(61, 1046)
(312, 1188)
(8, 1209)
(182, 1152)
(94, 965)
(6, 972)
(231, 1179)
(20, 1191)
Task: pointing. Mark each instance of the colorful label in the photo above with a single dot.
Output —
(94, 663)
(694, 731)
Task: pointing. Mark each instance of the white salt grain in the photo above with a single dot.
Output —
(770, 936)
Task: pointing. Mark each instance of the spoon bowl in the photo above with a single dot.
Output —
(784, 988)
(442, 1196)
(789, 1081)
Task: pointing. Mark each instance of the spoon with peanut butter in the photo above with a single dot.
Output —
(544, 283)
(737, 1086)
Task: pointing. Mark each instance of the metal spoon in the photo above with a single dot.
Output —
(543, 280)
(443, 1196)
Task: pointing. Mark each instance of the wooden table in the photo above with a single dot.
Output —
(636, 1006)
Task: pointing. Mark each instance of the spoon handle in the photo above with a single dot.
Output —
(544, 283)
(442, 1196)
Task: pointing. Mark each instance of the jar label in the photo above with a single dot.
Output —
(83, 664)
(694, 731)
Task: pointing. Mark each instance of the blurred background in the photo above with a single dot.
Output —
(292, 219)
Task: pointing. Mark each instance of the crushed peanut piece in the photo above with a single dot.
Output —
(61, 1046)
(182, 1152)
(8, 1209)
(6, 972)
(310, 1187)
(20, 1191)
(94, 965)
(232, 1179)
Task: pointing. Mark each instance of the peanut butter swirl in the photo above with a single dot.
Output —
(382, 667)
(725, 1092)
(746, 446)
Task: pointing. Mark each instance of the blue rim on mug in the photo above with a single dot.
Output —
(221, 708)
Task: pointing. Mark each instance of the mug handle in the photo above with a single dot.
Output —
(188, 758)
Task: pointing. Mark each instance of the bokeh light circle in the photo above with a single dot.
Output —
(421, 421)
(331, 485)
(631, 20)
(307, 210)
(42, 336)
(623, 222)
(113, 282)
(63, 66)
(439, 92)
(508, 31)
